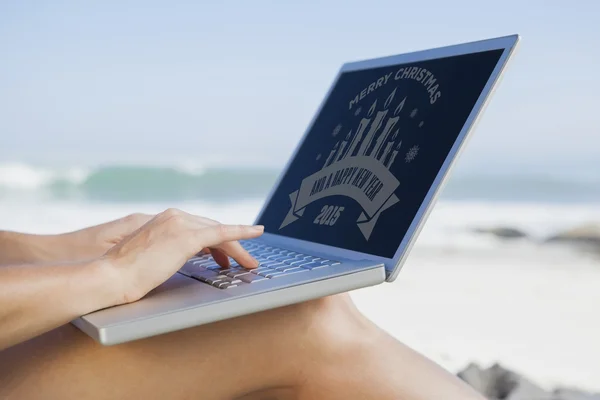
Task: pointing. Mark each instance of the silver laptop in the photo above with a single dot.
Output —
(352, 199)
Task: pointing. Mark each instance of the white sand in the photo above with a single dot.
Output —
(536, 312)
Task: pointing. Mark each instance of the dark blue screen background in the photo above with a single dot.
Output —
(432, 127)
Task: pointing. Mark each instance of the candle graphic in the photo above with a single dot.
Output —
(387, 130)
(365, 147)
(388, 148)
(394, 154)
(331, 155)
(341, 153)
(361, 128)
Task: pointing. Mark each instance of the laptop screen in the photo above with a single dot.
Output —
(374, 150)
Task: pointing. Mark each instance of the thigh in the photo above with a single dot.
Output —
(323, 349)
(224, 360)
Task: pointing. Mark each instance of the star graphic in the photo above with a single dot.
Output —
(318, 156)
(421, 124)
(411, 154)
(358, 110)
(336, 130)
(413, 113)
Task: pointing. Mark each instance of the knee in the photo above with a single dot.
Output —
(335, 328)
(336, 317)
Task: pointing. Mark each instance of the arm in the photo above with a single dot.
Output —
(37, 298)
(17, 248)
(21, 248)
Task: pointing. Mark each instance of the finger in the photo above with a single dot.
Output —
(219, 235)
(236, 251)
(220, 257)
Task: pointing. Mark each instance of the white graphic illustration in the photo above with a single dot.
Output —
(358, 165)
(318, 157)
(421, 124)
(411, 154)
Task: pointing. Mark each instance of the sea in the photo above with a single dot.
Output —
(462, 296)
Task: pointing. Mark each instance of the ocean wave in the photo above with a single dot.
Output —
(133, 183)
(188, 181)
(27, 177)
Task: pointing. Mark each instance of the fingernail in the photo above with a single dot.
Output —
(259, 228)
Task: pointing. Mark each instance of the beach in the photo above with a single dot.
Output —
(462, 297)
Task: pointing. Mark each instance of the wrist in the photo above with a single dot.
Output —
(103, 286)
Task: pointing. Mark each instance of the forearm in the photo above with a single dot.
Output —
(21, 248)
(37, 298)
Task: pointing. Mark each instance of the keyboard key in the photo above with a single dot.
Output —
(250, 278)
(214, 279)
(270, 274)
(269, 263)
(313, 265)
(212, 266)
(189, 269)
(260, 269)
(204, 274)
(274, 265)
(290, 272)
(286, 268)
(235, 274)
(225, 271)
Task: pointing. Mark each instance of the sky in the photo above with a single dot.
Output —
(148, 81)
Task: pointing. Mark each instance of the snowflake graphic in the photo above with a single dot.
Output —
(318, 156)
(414, 112)
(358, 110)
(336, 130)
(421, 124)
(411, 154)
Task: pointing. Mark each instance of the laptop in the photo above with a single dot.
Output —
(350, 202)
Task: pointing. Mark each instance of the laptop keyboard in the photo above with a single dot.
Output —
(274, 262)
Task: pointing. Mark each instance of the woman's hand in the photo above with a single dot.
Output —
(38, 297)
(95, 241)
(153, 253)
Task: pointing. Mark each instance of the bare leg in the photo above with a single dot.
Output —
(323, 349)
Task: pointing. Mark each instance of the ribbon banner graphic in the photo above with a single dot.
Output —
(364, 179)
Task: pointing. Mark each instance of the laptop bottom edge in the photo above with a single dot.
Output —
(231, 308)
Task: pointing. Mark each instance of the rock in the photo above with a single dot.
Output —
(498, 383)
(503, 232)
(585, 235)
(573, 394)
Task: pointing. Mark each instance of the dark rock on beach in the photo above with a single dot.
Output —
(585, 238)
(583, 235)
(503, 232)
(499, 383)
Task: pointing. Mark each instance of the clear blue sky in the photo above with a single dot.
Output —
(139, 80)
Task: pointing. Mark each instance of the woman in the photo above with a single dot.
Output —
(322, 349)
